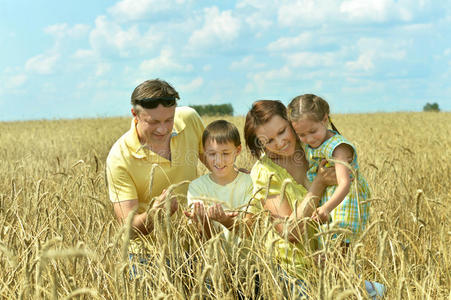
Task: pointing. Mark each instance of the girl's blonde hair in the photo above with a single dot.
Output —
(309, 106)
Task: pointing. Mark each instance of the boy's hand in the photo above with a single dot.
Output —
(161, 200)
(217, 213)
(199, 214)
(321, 215)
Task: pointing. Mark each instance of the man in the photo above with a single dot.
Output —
(161, 135)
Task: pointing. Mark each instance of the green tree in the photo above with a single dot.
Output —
(214, 109)
(431, 107)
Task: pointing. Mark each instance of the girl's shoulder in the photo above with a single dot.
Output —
(328, 147)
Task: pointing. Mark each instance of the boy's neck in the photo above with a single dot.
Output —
(226, 179)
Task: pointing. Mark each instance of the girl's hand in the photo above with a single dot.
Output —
(217, 213)
(321, 215)
(326, 175)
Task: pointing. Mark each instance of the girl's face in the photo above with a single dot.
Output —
(310, 132)
(277, 136)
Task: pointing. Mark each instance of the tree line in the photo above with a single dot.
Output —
(214, 109)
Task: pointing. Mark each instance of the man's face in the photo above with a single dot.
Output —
(154, 126)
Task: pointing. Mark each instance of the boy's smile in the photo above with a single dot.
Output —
(220, 159)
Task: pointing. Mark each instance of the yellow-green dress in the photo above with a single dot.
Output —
(291, 257)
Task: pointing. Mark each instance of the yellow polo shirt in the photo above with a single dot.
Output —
(128, 165)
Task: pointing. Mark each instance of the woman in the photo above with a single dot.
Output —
(281, 167)
(282, 188)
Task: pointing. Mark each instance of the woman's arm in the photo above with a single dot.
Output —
(290, 223)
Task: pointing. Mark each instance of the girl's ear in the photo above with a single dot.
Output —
(325, 120)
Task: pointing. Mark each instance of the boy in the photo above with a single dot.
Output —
(224, 184)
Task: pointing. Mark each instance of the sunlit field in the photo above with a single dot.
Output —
(59, 237)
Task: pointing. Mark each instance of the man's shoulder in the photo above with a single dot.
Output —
(117, 150)
(186, 113)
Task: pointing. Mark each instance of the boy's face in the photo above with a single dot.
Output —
(221, 157)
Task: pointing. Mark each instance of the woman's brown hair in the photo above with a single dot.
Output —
(261, 112)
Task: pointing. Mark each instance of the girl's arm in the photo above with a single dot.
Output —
(342, 153)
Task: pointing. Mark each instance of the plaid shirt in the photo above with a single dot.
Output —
(350, 213)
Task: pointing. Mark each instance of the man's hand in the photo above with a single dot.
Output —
(217, 213)
(160, 202)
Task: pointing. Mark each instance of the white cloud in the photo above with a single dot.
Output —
(130, 10)
(311, 12)
(246, 63)
(63, 30)
(259, 13)
(306, 12)
(42, 63)
(285, 43)
(363, 62)
(374, 50)
(84, 54)
(312, 59)
(108, 36)
(102, 68)
(261, 78)
(164, 63)
(366, 9)
(206, 68)
(218, 26)
(192, 86)
(16, 81)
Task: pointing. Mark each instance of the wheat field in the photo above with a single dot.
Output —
(59, 237)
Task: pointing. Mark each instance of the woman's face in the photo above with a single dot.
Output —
(277, 136)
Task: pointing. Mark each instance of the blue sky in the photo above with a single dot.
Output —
(66, 59)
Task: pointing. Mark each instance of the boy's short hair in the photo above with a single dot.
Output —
(222, 132)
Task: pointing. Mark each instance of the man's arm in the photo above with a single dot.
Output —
(124, 208)
(143, 222)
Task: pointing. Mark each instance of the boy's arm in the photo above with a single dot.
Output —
(200, 218)
(227, 219)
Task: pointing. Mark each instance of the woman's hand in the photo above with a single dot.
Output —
(326, 175)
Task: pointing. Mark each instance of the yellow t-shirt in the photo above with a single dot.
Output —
(234, 195)
(291, 256)
(129, 165)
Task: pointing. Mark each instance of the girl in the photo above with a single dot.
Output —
(309, 115)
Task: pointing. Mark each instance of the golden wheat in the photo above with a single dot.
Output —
(59, 238)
